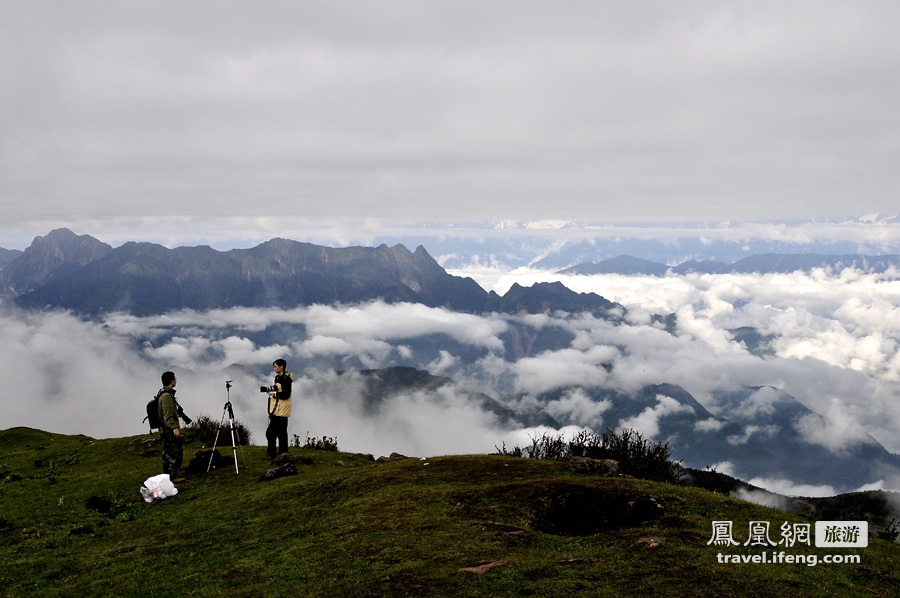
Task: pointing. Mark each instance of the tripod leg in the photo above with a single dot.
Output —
(234, 448)
(216, 441)
(237, 435)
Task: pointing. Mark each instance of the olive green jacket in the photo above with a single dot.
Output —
(168, 412)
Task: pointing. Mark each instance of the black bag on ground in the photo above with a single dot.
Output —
(204, 460)
(282, 470)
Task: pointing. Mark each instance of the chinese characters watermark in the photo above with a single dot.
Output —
(828, 534)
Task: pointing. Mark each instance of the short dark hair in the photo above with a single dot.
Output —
(167, 378)
(280, 363)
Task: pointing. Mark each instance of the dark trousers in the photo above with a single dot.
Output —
(277, 432)
(172, 453)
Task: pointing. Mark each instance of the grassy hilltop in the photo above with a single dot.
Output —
(73, 523)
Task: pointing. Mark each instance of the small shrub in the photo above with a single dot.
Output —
(890, 532)
(514, 452)
(205, 428)
(317, 444)
(637, 456)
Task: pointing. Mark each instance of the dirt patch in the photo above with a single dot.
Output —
(560, 508)
(101, 505)
(572, 510)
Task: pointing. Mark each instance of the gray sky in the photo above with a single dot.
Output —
(194, 120)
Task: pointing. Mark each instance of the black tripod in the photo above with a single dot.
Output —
(235, 437)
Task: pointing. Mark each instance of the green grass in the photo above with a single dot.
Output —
(345, 526)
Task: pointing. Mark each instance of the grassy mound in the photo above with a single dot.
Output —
(73, 523)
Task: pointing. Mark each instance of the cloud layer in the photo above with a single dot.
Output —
(829, 341)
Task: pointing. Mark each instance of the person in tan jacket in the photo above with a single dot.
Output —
(279, 409)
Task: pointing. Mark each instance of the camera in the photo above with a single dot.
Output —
(268, 389)
(182, 414)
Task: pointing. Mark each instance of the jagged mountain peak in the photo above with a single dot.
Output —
(58, 253)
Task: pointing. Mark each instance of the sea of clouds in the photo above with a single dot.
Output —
(834, 346)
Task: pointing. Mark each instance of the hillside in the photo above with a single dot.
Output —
(72, 522)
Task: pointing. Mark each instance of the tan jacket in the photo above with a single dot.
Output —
(280, 401)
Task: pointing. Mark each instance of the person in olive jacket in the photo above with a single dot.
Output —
(279, 409)
(169, 432)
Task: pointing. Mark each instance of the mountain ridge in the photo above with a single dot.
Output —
(766, 263)
(78, 273)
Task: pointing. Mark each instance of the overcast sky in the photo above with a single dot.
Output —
(197, 120)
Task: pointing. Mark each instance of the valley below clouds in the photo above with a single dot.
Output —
(808, 358)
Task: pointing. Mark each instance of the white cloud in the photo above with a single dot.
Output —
(577, 407)
(833, 429)
(443, 363)
(723, 467)
(877, 485)
(749, 431)
(419, 424)
(76, 377)
(383, 321)
(710, 425)
(79, 377)
(565, 367)
(762, 497)
(705, 329)
(846, 325)
(323, 345)
(789, 488)
(761, 402)
(366, 331)
(835, 337)
(199, 352)
(179, 350)
(647, 422)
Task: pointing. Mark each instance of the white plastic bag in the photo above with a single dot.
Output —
(158, 487)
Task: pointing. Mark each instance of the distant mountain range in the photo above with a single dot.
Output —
(82, 274)
(557, 245)
(770, 263)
